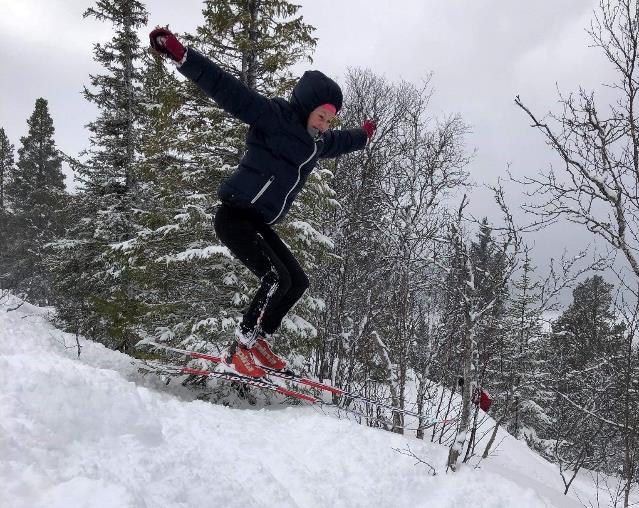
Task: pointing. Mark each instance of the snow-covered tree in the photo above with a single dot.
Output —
(36, 194)
(351, 280)
(598, 145)
(479, 275)
(6, 217)
(116, 91)
(387, 210)
(587, 330)
(96, 288)
(190, 145)
(38, 180)
(6, 166)
(257, 40)
(179, 273)
(581, 354)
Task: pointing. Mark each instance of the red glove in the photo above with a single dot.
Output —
(370, 127)
(163, 41)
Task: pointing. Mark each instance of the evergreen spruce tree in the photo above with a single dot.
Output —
(6, 166)
(474, 281)
(587, 330)
(6, 215)
(203, 287)
(97, 292)
(38, 180)
(117, 94)
(481, 272)
(257, 40)
(181, 275)
(582, 353)
(36, 193)
(515, 374)
(488, 263)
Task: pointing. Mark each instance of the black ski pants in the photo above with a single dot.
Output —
(261, 250)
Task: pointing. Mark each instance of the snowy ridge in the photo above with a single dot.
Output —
(92, 432)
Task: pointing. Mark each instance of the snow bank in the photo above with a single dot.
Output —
(92, 432)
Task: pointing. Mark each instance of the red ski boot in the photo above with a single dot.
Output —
(240, 359)
(264, 354)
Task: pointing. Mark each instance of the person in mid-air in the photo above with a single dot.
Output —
(284, 142)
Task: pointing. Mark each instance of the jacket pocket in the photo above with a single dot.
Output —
(263, 189)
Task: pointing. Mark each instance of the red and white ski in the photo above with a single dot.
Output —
(259, 382)
(293, 377)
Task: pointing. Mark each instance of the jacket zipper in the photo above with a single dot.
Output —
(263, 189)
(299, 176)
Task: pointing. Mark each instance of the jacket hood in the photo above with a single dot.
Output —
(314, 89)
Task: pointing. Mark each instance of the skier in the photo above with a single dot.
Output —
(284, 142)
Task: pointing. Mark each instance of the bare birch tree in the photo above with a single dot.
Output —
(390, 201)
(597, 185)
(475, 309)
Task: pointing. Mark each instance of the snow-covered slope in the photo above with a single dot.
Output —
(92, 432)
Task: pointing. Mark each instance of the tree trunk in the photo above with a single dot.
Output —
(464, 419)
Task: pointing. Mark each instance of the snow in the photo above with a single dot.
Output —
(308, 233)
(196, 253)
(92, 432)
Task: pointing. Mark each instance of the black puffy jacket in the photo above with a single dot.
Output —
(280, 153)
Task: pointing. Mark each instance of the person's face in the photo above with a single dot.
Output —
(320, 119)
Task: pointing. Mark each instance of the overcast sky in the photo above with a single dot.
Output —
(481, 52)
